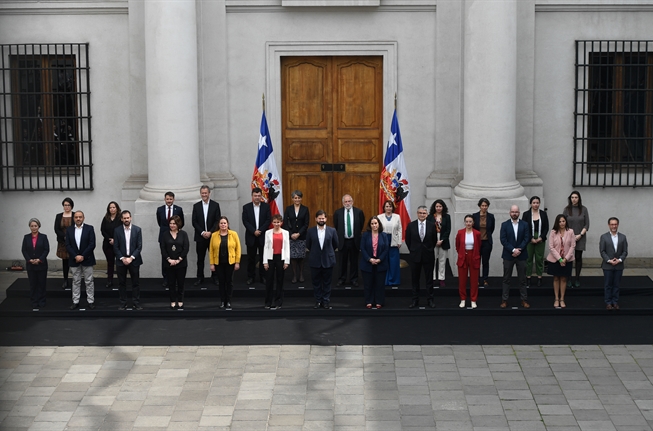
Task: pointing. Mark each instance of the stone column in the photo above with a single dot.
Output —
(172, 100)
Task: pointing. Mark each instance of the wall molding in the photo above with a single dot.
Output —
(594, 7)
(52, 7)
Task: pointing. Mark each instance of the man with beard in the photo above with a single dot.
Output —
(515, 236)
(321, 243)
(127, 246)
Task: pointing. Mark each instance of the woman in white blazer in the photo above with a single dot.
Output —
(276, 258)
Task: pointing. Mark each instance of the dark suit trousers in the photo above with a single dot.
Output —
(321, 279)
(176, 276)
(508, 265)
(275, 273)
(254, 255)
(111, 259)
(416, 269)
(486, 251)
(611, 280)
(201, 248)
(37, 280)
(225, 274)
(374, 286)
(349, 254)
(134, 273)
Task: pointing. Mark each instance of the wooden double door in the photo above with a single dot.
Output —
(332, 131)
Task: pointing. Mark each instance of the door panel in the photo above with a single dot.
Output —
(332, 115)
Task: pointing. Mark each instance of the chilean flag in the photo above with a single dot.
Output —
(395, 186)
(266, 176)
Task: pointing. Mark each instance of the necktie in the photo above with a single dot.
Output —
(421, 231)
(349, 223)
(169, 215)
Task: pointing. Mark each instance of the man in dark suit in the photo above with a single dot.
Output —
(613, 247)
(163, 215)
(421, 237)
(321, 243)
(127, 246)
(257, 219)
(515, 236)
(349, 222)
(80, 243)
(206, 214)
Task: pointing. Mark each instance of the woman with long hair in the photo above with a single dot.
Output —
(578, 220)
(392, 228)
(539, 226)
(110, 222)
(562, 245)
(174, 249)
(484, 223)
(62, 221)
(439, 215)
(295, 221)
(374, 263)
(224, 257)
(468, 247)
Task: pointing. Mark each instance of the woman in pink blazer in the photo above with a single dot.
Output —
(562, 244)
(468, 247)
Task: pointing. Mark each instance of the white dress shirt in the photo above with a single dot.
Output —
(78, 236)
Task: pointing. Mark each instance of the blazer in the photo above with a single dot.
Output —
(421, 251)
(180, 245)
(39, 252)
(285, 248)
(568, 240)
(162, 218)
(489, 224)
(358, 224)
(212, 219)
(87, 245)
(476, 251)
(445, 230)
(392, 228)
(509, 242)
(544, 222)
(233, 248)
(606, 248)
(107, 227)
(249, 220)
(322, 257)
(61, 233)
(135, 245)
(367, 252)
(296, 223)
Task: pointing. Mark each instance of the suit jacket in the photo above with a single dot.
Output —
(567, 242)
(174, 248)
(296, 223)
(476, 251)
(358, 224)
(249, 220)
(162, 218)
(544, 222)
(233, 248)
(445, 229)
(39, 252)
(421, 251)
(268, 252)
(509, 242)
(135, 245)
(86, 245)
(212, 219)
(606, 248)
(489, 224)
(322, 257)
(367, 252)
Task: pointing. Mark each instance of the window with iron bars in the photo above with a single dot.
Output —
(613, 114)
(45, 117)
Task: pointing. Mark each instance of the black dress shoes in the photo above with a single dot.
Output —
(165, 284)
(539, 282)
(91, 306)
(263, 280)
(123, 307)
(74, 306)
(250, 281)
(414, 304)
(137, 307)
(340, 283)
(431, 303)
(109, 284)
(354, 283)
(317, 305)
(327, 306)
(198, 282)
(228, 306)
(65, 285)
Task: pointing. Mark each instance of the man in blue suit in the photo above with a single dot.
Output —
(80, 243)
(515, 235)
(321, 243)
(163, 215)
(127, 246)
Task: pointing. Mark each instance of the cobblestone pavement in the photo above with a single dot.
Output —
(327, 388)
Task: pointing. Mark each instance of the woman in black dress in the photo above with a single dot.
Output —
(61, 222)
(35, 250)
(110, 222)
(174, 249)
(295, 221)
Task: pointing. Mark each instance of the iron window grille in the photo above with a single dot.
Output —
(613, 117)
(45, 117)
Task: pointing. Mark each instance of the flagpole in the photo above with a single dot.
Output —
(395, 101)
(263, 101)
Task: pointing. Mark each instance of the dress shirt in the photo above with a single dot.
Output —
(515, 227)
(257, 210)
(78, 236)
(128, 236)
(615, 241)
(321, 234)
(205, 207)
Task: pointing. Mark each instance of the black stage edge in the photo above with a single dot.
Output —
(202, 322)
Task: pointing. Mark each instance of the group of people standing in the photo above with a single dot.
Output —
(277, 242)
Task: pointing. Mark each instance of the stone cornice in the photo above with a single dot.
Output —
(53, 7)
(594, 6)
(271, 6)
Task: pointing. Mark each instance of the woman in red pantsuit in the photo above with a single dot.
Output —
(468, 246)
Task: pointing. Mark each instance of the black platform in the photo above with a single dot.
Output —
(584, 321)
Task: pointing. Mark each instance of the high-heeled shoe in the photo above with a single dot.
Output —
(173, 305)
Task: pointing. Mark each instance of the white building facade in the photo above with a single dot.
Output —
(497, 99)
